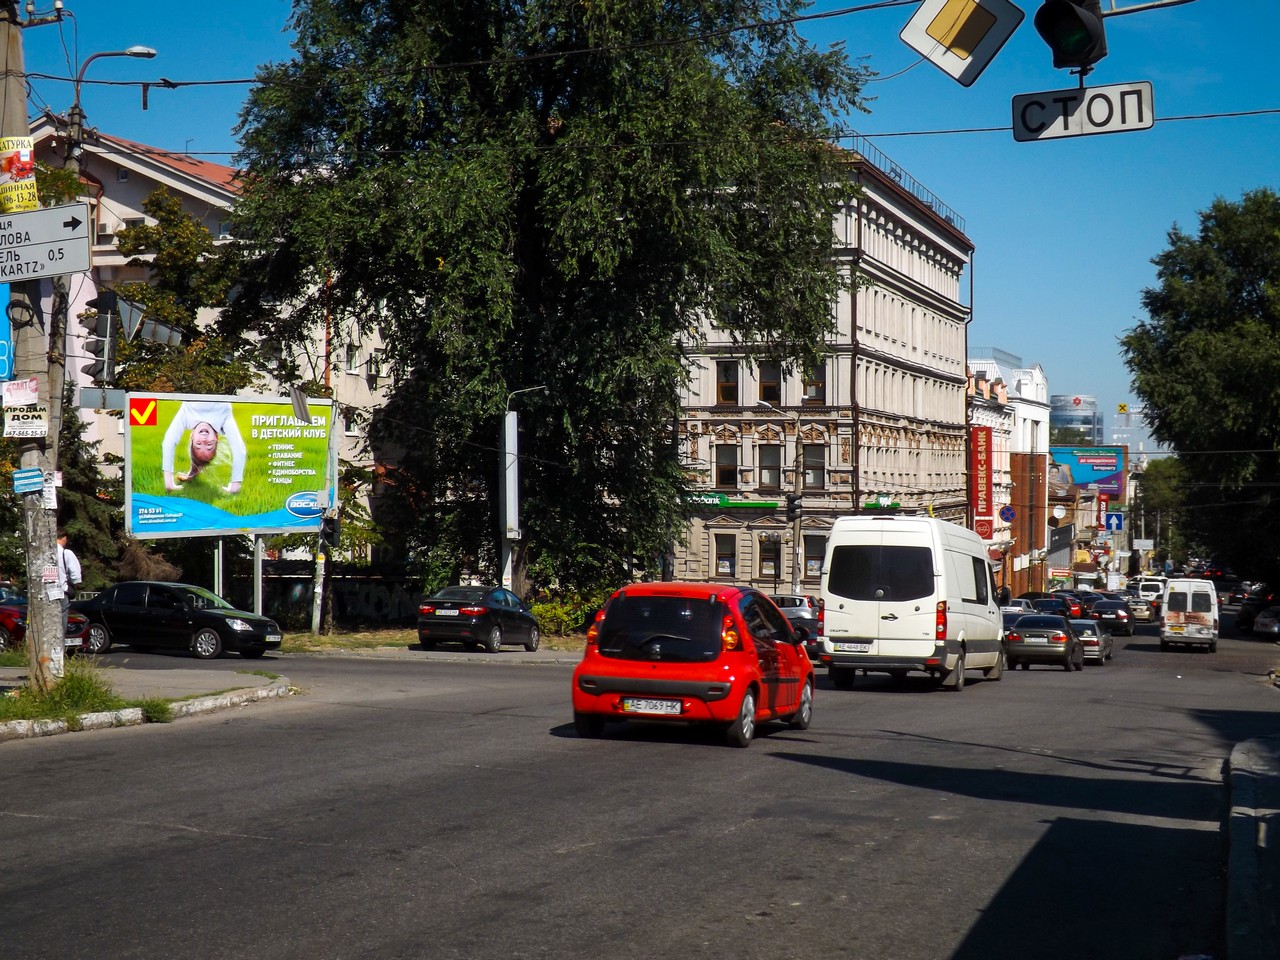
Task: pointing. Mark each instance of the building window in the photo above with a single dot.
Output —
(770, 466)
(771, 382)
(353, 358)
(134, 221)
(725, 549)
(815, 466)
(770, 557)
(815, 548)
(726, 465)
(122, 175)
(349, 426)
(815, 385)
(727, 383)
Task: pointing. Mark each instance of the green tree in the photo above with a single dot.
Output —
(1204, 364)
(88, 505)
(554, 194)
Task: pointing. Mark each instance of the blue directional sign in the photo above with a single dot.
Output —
(1115, 522)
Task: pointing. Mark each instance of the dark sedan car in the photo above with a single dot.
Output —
(147, 614)
(1040, 638)
(485, 617)
(1115, 615)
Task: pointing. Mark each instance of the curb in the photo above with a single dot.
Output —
(132, 716)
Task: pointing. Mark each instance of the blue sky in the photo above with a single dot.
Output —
(1064, 230)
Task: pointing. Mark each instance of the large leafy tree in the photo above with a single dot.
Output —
(543, 193)
(1207, 365)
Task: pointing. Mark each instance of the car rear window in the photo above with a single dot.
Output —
(876, 572)
(1041, 623)
(664, 629)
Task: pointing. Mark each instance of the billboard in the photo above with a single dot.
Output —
(980, 470)
(1072, 470)
(205, 466)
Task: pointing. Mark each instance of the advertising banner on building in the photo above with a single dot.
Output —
(1073, 470)
(205, 466)
(980, 470)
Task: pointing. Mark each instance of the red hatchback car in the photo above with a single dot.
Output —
(692, 653)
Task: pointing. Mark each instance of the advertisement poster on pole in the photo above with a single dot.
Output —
(207, 466)
(1073, 471)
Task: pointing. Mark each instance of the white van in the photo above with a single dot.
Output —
(1189, 614)
(903, 594)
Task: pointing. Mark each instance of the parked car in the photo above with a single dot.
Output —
(1017, 606)
(1267, 622)
(1096, 639)
(484, 617)
(1043, 638)
(1240, 591)
(1255, 603)
(1115, 615)
(149, 614)
(13, 624)
(692, 653)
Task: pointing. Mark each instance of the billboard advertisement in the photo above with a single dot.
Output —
(1072, 470)
(980, 471)
(206, 466)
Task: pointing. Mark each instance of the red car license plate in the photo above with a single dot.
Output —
(650, 705)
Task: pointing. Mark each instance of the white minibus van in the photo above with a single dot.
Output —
(1189, 614)
(907, 593)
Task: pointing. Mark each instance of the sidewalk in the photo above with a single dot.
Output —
(195, 692)
(1253, 850)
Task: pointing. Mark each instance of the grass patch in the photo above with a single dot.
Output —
(14, 658)
(261, 673)
(82, 689)
(156, 710)
(399, 637)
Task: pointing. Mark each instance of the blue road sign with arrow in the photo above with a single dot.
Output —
(1115, 522)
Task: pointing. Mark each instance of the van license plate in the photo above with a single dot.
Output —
(645, 705)
(852, 647)
(1173, 629)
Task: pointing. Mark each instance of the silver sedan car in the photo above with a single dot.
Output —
(1097, 640)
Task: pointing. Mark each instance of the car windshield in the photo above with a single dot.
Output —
(876, 572)
(461, 593)
(665, 629)
(201, 599)
(1041, 623)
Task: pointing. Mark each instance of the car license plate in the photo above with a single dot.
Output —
(274, 638)
(852, 647)
(1035, 639)
(1176, 629)
(648, 705)
(446, 613)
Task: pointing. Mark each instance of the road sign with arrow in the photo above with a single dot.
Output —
(44, 243)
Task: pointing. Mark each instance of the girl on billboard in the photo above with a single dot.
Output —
(208, 421)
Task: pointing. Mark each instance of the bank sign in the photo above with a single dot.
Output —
(205, 466)
(1074, 470)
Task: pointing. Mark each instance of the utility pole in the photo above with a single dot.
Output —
(39, 353)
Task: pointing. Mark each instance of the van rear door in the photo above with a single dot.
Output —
(881, 593)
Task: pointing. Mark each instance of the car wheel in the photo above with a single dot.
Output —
(589, 726)
(996, 672)
(6, 640)
(494, 643)
(743, 729)
(801, 719)
(426, 644)
(206, 644)
(1078, 662)
(534, 641)
(98, 639)
(954, 679)
(842, 677)
(1213, 647)
(252, 654)
(1164, 645)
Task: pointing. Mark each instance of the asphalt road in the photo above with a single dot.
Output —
(417, 808)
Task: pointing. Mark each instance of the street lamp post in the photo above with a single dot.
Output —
(797, 547)
(509, 481)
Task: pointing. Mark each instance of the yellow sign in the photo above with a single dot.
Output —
(1122, 408)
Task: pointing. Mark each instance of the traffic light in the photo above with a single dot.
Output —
(330, 531)
(100, 341)
(1074, 32)
(794, 509)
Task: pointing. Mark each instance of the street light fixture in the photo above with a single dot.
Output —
(76, 115)
(509, 480)
(797, 546)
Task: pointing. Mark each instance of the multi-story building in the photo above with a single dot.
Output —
(1078, 414)
(881, 422)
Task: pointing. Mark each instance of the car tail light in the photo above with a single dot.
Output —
(1013, 635)
(593, 631)
(940, 621)
(1089, 641)
(426, 609)
(822, 618)
(1058, 638)
(472, 611)
(1095, 614)
(729, 639)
